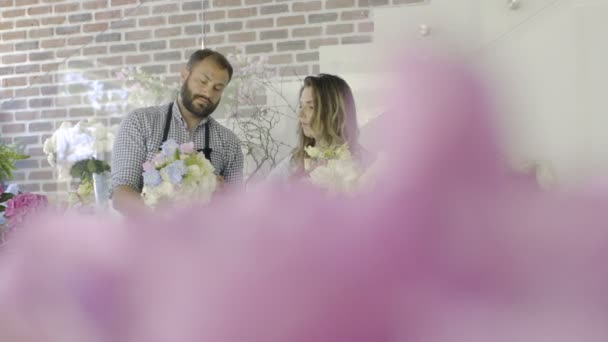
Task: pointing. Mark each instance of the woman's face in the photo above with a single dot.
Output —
(306, 112)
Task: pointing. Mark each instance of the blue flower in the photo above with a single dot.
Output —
(152, 178)
(175, 171)
(169, 147)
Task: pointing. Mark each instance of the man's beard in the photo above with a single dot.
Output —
(188, 102)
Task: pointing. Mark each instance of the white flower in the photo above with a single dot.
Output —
(338, 176)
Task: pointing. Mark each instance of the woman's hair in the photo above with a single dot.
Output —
(334, 117)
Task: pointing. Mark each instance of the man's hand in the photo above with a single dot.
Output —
(127, 201)
(220, 183)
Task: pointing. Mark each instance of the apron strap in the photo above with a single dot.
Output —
(167, 125)
(206, 151)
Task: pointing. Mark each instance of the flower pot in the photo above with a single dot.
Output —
(101, 188)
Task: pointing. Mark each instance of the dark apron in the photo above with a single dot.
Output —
(206, 151)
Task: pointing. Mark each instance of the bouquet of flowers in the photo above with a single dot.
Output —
(72, 143)
(15, 206)
(78, 151)
(177, 173)
(333, 169)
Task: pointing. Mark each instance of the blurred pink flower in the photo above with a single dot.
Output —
(187, 147)
(448, 248)
(22, 205)
(147, 166)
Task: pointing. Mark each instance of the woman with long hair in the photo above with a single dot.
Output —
(327, 120)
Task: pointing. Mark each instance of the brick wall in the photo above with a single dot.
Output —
(58, 57)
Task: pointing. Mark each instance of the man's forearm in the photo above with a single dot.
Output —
(127, 201)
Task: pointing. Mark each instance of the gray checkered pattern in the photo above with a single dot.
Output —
(140, 135)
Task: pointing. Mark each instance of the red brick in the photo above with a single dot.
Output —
(6, 25)
(152, 21)
(182, 43)
(138, 35)
(215, 40)
(315, 43)
(13, 35)
(41, 79)
(214, 15)
(182, 19)
(167, 32)
(339, 29)
(50, 187)
(307, 56)
(122, 2)
(243, 12)
(355, 15)
(26, 2)
(97, 27)
(27, 92)
(6, 117)
(79, 40)
(366, 27)
(49, 67)
(306, 31)
(40, 175)
(13, 128)
(13, 59)
(53, 113)
(291, 20)
(40, 10)
(306, 6)
(67, 7)
(260, 23)
(13, 13)
(95, 4)
(41, 33)
(108, 15)
(6, 48)
(241, 37)
(298, 70)
(63, 53)
(226, 3)
(26, 116)
(27, 23)
(331, 4)
(356, 40)
(274, 34)
(164, 9)
(280, 59)
(53, 20)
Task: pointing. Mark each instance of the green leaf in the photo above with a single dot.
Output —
(6, 196)
(2, 208)
(91, 167)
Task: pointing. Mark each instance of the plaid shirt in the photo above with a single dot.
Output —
(139, 138)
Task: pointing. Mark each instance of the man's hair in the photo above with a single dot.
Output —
(217, 57)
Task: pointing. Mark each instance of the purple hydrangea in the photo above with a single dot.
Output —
(169, 147)
(175, 171)
(152, 177)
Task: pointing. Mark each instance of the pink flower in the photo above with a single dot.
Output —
(187, 147)
(18, 207)
(148, 166)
